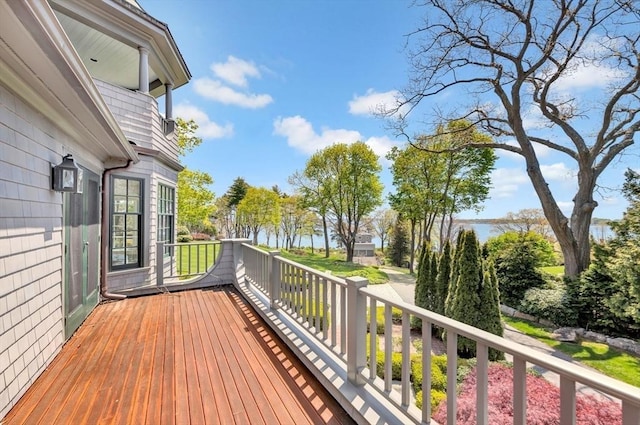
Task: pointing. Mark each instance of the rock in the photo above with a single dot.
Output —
(565, 335)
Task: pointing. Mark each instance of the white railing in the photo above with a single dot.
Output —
(185, 260)
(338, 313)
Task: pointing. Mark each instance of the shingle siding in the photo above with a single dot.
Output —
(31, 245)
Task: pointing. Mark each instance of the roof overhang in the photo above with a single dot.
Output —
(107, 35)
(41, 66)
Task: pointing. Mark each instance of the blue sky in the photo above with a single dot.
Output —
(274, 81)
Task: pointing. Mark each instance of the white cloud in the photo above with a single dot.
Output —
(506, 182)
(215, 90)
(558, 172)
(301, 135)
(565, 206)
(207, 129)
(541, 151)
(235, 71)
(589, 76)
(373, 102)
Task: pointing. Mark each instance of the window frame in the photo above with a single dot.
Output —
(139, 221)
(164, 217)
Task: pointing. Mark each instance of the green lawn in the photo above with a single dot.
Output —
(196, 257)
(554, 270)
(610, 361)
(337, 266)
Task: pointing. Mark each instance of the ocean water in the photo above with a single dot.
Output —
(484, 231)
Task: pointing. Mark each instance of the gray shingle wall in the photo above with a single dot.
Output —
(31, 318)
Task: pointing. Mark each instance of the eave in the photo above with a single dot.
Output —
(40, 65)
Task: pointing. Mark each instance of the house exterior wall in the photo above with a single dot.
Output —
(138, 116)
(153, 172)
(31, 244)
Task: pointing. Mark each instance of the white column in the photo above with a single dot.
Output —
(168, 101)
(143, 72)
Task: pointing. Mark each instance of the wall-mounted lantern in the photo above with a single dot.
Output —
(66, 175)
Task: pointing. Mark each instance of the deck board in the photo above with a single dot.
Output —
(193, 357)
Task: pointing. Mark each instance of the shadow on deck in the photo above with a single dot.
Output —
(199, 357)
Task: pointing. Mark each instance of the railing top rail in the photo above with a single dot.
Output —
(577, 373)
(254, 248)
(211, 242)
(330, 277)
(338, 280)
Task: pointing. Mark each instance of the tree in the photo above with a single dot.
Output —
(382, 224)
(539, 247)
(186, 136)
(348, 186)
(196, 203)
(235, 194)
(311, 192)
(525, 220)
(433, 181)
(466, 300)
(442, 280)
(399, 245)
(259, 208)
(511, 62)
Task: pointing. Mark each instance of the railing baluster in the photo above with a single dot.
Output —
(630, 413)
(325, 308)
(567, 401)
(519, 391)
(427, 347)
(406, 359)
(482, 384)
(452, 368)
(373, 338)
(388, 341)
(343, 319)
(317, 307)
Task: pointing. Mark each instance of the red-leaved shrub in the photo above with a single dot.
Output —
(543, 402)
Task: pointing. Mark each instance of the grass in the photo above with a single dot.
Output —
(554, 270)
(610, 361)
(336, 265)
(196, 257)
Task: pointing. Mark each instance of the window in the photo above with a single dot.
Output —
(166, 215)
(126, 223)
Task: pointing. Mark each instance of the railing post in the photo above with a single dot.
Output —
(356, 329)
(238, 261)
(274, 279)
(160, 264)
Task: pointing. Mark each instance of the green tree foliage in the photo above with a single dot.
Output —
(434, 179)
(466, 299)
(348, 183)
(196, 202)
(399, 244)
(490, 319)
(517, 272)
(186, 136)
(442, 280)
(234, 195)
(538, 245)
(607, 296)
(259, 208)
(475, 297)
(421, 296)
(511, 59)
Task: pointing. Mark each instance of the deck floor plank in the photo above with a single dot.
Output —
(193, 357)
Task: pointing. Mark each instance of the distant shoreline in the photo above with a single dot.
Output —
(594, 222)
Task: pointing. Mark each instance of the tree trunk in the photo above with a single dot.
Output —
(412, 251)
(326, 236)
(573, 237)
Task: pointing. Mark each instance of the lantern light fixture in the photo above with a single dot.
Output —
(66, 175)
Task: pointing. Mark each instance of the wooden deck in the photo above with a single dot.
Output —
(193, 357)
